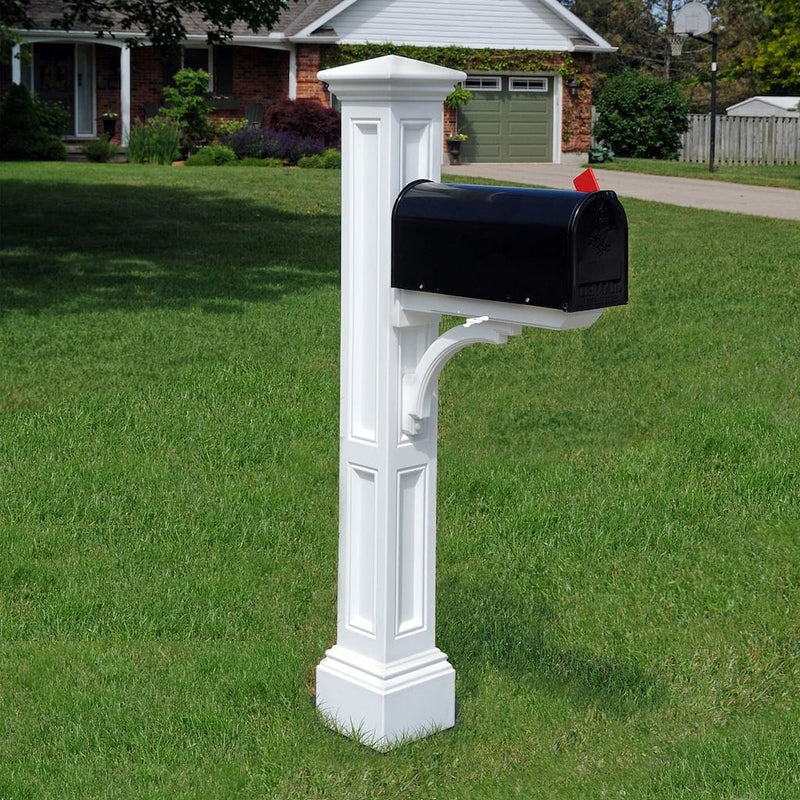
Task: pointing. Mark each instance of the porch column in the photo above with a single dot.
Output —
(125, 91)
(293, 73)
(16, 64)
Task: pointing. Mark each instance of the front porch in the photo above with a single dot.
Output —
(91, 79)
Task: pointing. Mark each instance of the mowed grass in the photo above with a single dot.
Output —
(781, 176)
(619, 513)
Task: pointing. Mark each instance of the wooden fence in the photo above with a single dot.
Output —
(743, 140)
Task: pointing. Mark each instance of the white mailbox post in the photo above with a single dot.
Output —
(385, 680)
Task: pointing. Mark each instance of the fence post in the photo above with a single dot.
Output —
(384, 680)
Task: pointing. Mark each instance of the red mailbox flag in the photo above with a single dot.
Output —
(586, 181)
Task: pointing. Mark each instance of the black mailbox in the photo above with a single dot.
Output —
(538, 247)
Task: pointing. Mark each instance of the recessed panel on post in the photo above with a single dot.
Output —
(536, 247)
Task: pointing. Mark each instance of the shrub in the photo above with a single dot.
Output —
(226, 127)
(599, 154)
(267, 143)
(307, 119)
(246, 142)
(100, 151)
(157, 141)
(641, 116)
(214, 155)
(53, 117)
(330, 159)
(54, 150)
(291, 148)
(22, 135)
(187, 102)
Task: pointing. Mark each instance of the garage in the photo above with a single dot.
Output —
(510, 118)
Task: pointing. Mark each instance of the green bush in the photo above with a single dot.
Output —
(100, 151)
(54, 117)
(54, 150)
(330, 159)
(641, 116)
(22, 135)
(214, 155)
(187, 102)
(600, 154)
(225, 127)
(157, 141)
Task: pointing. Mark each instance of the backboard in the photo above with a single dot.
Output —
(693, 19)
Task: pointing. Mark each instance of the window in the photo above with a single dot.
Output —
(197, 58)
(223, 70)
(528, 84)
(484, 83)
(216, 61)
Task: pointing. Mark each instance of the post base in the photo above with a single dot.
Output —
(383, 705)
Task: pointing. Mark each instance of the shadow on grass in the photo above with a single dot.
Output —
(76, 247)
(511, 632)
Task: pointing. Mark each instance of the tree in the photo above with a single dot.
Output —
(641, 116)
(758, 45)
(739, 24)
(777, 62)
(161, 22)
(638, 28)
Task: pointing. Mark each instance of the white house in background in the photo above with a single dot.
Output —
(763, 106)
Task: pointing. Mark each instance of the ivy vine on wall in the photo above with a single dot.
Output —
(463, 58)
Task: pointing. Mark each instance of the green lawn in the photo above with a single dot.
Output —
(619, 514)
(786, 177)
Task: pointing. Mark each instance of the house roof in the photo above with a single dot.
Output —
(784, 103)
(42, 12)
(502, 24)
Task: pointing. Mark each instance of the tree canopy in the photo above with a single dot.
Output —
(777, 60)
(758, 45)
(162, 22)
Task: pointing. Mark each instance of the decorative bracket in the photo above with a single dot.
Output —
(418, 386)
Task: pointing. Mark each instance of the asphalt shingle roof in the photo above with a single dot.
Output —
(42, 12)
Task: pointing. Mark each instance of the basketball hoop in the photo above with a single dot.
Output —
(692, 19)
(676, 41)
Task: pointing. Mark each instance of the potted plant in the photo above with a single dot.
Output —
(459, 97)
(454, 141)
(109, 123)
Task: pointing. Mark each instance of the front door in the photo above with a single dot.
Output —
(84, 90)
(64, 73)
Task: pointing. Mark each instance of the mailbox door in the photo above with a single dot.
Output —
(599, 239)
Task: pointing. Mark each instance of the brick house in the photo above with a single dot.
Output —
(529, 66)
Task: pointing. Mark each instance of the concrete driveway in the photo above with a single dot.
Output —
(761, 201)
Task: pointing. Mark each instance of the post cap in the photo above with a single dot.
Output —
(391, 77)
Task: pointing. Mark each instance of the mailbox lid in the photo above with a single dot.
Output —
(502, 243)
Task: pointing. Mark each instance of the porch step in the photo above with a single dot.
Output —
(75, 152)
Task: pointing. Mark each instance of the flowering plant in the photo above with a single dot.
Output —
(110, 115)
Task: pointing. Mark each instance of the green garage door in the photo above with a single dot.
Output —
(510, 118)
